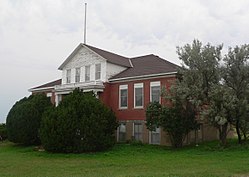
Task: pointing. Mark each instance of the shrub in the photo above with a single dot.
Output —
(3, 131)
(80, 123)
(24, 118)
(177, 120)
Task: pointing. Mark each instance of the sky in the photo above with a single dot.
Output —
(37, 36)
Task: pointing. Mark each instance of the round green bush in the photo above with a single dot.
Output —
(81, 123)
(24, 119)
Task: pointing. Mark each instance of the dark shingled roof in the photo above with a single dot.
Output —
(50, 84)
(147, 65)
(111, 57)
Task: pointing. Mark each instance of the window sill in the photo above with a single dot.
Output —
(122, 108)
(138, 108)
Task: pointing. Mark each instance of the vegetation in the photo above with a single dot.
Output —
(206, 160)
(177, 120)
(236, 78)
(24, 118)
(3, 132)
(81, 123)
(215, 87)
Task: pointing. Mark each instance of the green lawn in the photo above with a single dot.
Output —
(127, 160)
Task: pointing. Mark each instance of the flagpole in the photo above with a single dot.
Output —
(85, 25)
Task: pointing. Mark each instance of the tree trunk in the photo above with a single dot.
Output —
(238, 131)
(245, 137)
(223, 134)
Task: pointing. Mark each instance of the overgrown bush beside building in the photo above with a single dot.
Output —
(24, 118)
(80, 123)
(3, 132)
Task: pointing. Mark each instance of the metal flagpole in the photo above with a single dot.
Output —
(85, 25)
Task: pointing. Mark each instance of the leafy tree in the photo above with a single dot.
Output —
(220, 110)
(81, 123)
(236, 77)
(201, 84)
(177, 119)
(24, 118)
(3, 131)
(199, 70)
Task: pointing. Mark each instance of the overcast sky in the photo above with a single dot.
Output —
(37, 36)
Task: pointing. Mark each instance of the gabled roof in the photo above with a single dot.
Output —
(145, 66)
(48, 85)
(109, 56)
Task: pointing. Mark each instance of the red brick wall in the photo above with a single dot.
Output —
(110, 97)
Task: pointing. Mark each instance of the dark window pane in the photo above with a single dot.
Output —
(138, 97)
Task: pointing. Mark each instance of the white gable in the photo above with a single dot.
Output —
(83, 57)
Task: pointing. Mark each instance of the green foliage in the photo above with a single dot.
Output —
(24, 118)
(218, 91)
(3, 132)
(177, 120)
(220, 110)
(236, 78)
(81, 123)
(200, 69)
(153, 113)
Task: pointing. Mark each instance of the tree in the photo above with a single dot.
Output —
(80, 123)
(220, 110)
(177, 119)
(24, 118)
(236, 78)
(201, 83)
(199, 70)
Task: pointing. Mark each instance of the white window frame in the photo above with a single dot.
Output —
(139, 85)
(155, 84)
(68, 76)
(77, 76)
(87, 74)
(150, 136)
(97, 73)
(123, 87)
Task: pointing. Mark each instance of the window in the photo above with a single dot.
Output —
(49, 94)
(87, 73)
(122, 132)
(138, 95)
(77, 75)
(138, 130)
(155, 92)
(123, 96)
(68, 76)
(97, 71)
(155, 136)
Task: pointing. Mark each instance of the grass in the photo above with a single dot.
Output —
(128, 160)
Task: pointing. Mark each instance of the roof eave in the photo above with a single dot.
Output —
(142, 76)
(40, 89)
(70, 56)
